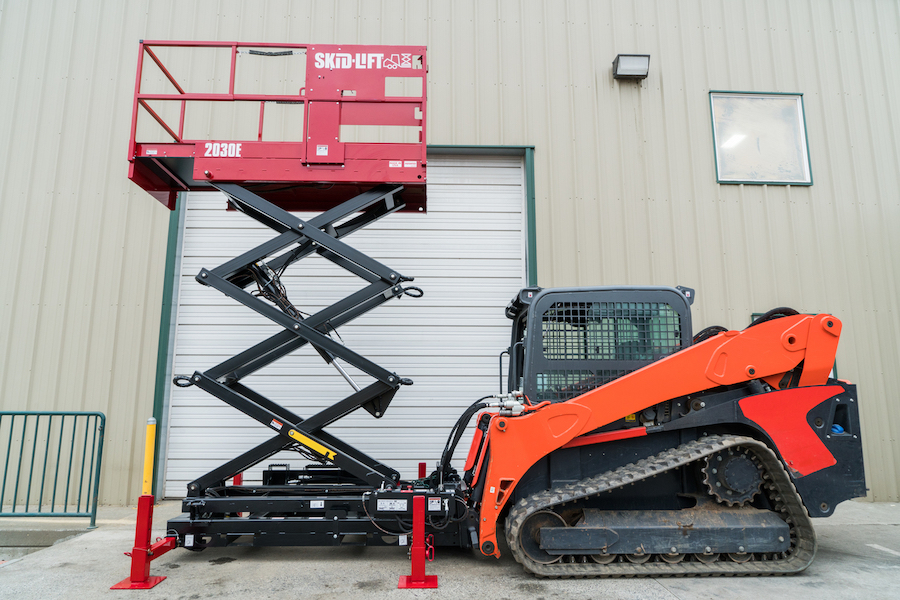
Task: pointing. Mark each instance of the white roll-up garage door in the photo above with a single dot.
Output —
(468, 255)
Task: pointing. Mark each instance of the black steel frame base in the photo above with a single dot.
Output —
(317, 515)
(297, 531)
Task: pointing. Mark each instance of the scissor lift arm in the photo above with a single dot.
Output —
(320, 235)
(350, 490)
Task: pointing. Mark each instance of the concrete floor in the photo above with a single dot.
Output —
(858, 557)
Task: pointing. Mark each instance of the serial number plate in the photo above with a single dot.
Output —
(391, 505)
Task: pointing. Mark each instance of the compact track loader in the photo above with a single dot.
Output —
(625, 445)
(635, 448)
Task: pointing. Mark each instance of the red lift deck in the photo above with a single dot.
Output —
(344, 85)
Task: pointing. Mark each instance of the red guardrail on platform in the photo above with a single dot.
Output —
(375, 87)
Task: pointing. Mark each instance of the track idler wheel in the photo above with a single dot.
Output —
(733, 476)
(530, 536)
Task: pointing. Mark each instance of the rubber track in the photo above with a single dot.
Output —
(776, 483)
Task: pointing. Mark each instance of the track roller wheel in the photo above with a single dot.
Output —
(672, 558)
(637, 559)
(707, 558)
(603, 559)
(740, 558)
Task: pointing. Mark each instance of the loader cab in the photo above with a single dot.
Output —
(568, 341)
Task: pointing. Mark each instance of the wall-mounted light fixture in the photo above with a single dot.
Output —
(631, 66)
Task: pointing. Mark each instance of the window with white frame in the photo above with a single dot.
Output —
(760, 138)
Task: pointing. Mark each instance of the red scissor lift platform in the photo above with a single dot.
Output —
(344, 86)
(341, 496)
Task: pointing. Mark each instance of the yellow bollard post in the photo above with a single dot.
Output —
(144, 550)
(149, 447)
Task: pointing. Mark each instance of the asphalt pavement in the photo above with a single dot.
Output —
(858, 558)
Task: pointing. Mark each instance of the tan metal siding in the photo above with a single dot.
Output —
(625, 177)
(83, 249)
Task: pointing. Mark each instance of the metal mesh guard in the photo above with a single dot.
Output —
(602, 331)
(567, 383)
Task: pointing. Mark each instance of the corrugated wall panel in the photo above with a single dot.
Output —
(83, 249)
(625, 177)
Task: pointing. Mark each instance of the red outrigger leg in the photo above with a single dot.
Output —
(420, 551)
(143, 551)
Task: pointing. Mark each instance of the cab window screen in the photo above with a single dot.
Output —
(610, 331)
(588, 344)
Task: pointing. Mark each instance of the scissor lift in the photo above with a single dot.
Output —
(343, 496)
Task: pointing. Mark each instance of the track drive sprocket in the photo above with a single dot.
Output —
(733, 476)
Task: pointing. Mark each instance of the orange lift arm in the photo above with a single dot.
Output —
(764, 351)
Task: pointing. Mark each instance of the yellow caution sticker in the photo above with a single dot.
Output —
(631, 417)
(312, 444)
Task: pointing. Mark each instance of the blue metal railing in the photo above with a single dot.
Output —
(50, 463)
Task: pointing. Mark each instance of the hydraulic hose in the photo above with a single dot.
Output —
(775, 313)
(456, 433)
